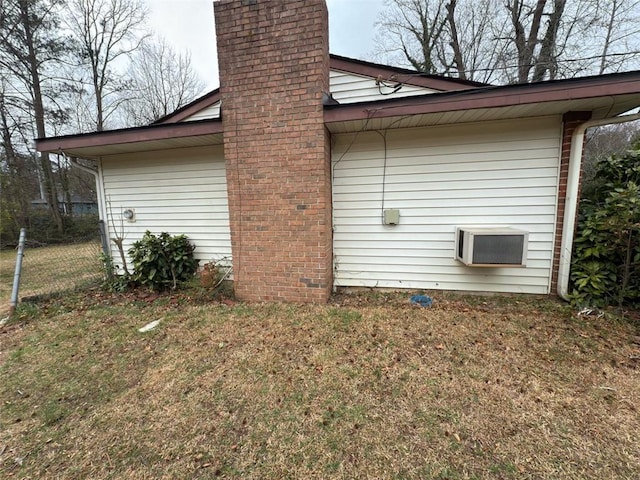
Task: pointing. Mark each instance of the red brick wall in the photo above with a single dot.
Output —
(571, 121)
(274, 65)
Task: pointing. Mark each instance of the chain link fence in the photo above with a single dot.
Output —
(49, 269)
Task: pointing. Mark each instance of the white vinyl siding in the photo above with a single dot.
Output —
(182, 191)
(351, 88)
(502, 173)
(207, 113)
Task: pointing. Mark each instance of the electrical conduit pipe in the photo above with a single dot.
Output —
(571, 203)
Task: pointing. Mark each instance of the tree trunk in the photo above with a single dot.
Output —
(16, 173)
(38, 109)
(525, 44)
(607, 41)
(63, 172)
(98, 93)
(548, 60)
(626, 268)
(455, 41)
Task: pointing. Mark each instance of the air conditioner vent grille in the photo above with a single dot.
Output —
(498, 249)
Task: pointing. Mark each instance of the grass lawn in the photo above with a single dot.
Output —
(50, 269)
(367, 386)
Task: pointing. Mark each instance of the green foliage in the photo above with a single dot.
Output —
(614, 172)
(606, 261)
(162, 261)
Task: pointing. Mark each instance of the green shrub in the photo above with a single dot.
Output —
(162, 261)
(606, 260)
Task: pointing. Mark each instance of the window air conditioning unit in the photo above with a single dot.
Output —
(491, 247)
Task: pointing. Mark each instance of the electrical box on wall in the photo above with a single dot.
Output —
(129, 214)
(392, 216)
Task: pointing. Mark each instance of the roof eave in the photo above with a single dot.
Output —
(129, 136)
(490, 97)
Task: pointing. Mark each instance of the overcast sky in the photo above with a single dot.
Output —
(188, 25)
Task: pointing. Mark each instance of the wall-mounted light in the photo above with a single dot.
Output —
(129, 214)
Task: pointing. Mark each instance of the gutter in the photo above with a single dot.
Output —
(74, 161)
(93, 171)
(571, 202)
(100, 194)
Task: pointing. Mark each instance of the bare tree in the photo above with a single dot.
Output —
(30, 43)
(414, 28)
(106, 32)
(18, 184)
(547, 62)
(162, 81)
(512, 41)
(525, 37)
(463, 38)
(468, 50)
(620, 21)
(455, 39)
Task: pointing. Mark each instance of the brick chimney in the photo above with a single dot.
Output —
(274, 66)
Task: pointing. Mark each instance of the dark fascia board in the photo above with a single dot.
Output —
(129, 135)
(491, 97)
(190, 108)
(410, 77)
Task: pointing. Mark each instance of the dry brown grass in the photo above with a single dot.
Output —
(368, 387)
(50, 269)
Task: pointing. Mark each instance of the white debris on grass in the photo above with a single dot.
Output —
(149, 326)
(589, 312)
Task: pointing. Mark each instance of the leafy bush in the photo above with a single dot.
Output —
(162, 261)
(606, 261)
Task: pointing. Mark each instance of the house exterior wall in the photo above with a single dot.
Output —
(274, 68)
(351, 88)
(502, 173)
(177, 191)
